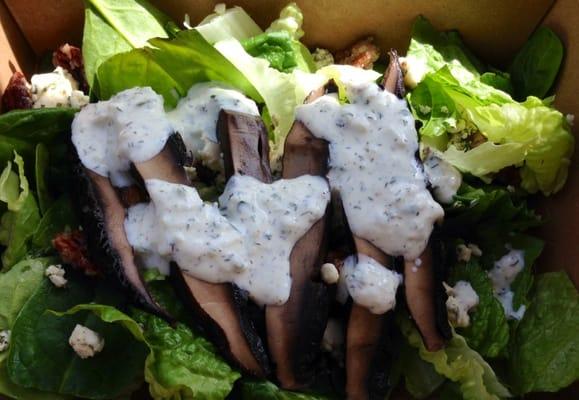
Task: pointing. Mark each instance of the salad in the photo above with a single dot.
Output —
(217, 211)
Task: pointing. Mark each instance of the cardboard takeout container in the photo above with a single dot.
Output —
(494, 29)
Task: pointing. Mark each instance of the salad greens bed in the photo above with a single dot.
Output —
(480, 119)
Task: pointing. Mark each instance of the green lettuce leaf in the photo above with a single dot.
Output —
(290, 20)
(233, 23)
(170, 67)
(488, 332)
(545, 350)
(430, 50)
(280, 50)
(17, 225)
(16, 287)
(180, 364)
(536, 65)
(455, 105)
(488, 209)
(460, 364)
(40, 357)
(537, 135)
(264, 390)
(420, 377)
(116, 26)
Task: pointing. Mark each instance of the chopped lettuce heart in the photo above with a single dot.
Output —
(477, 127)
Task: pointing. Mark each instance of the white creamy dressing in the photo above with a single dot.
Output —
(246, 240)
(56, 89)
(502, 276)
(461, 299)
(196, 115)
(373, 143)
(370, 284)
(444, 178)
(130, 127)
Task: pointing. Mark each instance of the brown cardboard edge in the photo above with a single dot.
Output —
(561, 211)
(16, 53)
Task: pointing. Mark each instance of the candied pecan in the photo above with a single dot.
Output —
(17, 95)
(70, 58)
(72, 248)
(361, 54)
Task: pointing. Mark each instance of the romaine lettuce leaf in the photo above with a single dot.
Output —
(116, 26)
(487, 208)
(460, 364)
(233, 23)
(180, 364)
(264, 390)
(545, 350)
(420, 377)
(488, 332)
(170, 67)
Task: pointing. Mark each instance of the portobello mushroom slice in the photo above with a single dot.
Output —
(295, 329)
(102, 216)
(218, 308)
(422, 284)
(369, 347)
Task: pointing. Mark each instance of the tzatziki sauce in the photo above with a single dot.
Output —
(373, 144)
(502, 275)
(246, 239)
(196, 115)
(130, 127)
(371, 284)
(443, 177)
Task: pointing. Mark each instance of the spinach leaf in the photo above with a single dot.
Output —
(499, 80)
(536, 65)
(545, 355)
(116, 26)
(41, 358)
(57, 219)
(16, 287)
(40, 173)
(36, 125)
(170, 67)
